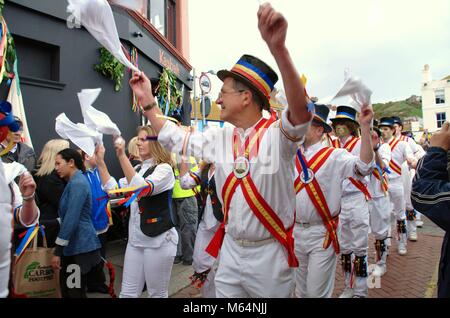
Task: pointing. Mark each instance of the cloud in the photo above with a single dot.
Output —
(385, 42)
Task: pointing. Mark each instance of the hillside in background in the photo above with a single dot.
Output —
(411, 107)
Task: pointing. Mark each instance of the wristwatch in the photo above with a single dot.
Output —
(377, 147)
(149, 106)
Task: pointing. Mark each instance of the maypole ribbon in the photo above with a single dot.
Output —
(310, 104)
(10, 145)
(169, 118)
(133, 193)
(112, 277)
(3, 48)
(135, 62)
(29, 236)
(302, 160)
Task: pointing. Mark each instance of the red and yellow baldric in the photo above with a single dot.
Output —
(255, 200)
(392, 164)
(349, 146)
(317, 197)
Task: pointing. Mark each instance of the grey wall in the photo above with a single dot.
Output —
(78, 52)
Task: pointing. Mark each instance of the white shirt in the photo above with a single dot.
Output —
(5, 233)
(417, 149)
(374, 185)
(163, 180)
(187, 182)
(400, 154)
(271, 171)
(339, 166)
(350, 188)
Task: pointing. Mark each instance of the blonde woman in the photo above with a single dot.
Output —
(152, 242)
(133, 151)
(50, 188)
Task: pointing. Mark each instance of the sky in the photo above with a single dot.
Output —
(385, 42)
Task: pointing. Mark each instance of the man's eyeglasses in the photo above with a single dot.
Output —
(224, 93)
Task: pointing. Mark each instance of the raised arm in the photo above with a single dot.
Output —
(105, 176)
(365, 120)
(142, 88)
(125, 163)
(29, 212)
(273, 28)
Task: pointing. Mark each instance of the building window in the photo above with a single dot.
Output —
(440, 119)
(157, 15)
(37, 59)
(172, 22)
(440, 96)
(163, 16)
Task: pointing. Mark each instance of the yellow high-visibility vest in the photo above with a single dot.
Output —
(178, 192)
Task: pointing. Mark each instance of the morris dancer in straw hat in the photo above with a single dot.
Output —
(401, 152)
(321, 171)
(253, 166)
(355, 209)
(211, 215)
(413, 218)
(380, 205)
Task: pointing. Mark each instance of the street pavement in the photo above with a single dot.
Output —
(411, 276)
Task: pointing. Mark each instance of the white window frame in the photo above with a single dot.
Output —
(439, 96)
(440, 121)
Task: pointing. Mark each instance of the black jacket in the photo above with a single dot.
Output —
(431, 196)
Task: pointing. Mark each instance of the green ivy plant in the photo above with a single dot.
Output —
(168, 80)
(111, 68)
(11, 50)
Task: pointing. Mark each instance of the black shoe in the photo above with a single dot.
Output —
(177, 260)
(102, 289)
(187, 263)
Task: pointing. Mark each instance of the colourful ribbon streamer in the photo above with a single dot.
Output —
(29, 236)
(303, 164)
(10, 145)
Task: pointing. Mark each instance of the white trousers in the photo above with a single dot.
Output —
(152, 266)
(5, 247)
(380, 217)
(202, 261)
(314, 278)
(255, 272)
(407, 176)
(397, 197)
(354, 220)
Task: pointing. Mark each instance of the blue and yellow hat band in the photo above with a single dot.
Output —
(255, 76)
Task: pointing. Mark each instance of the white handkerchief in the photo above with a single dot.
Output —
(97, 17)
(13, 170)
(79, 134)
(356, 89)
(93, 118)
